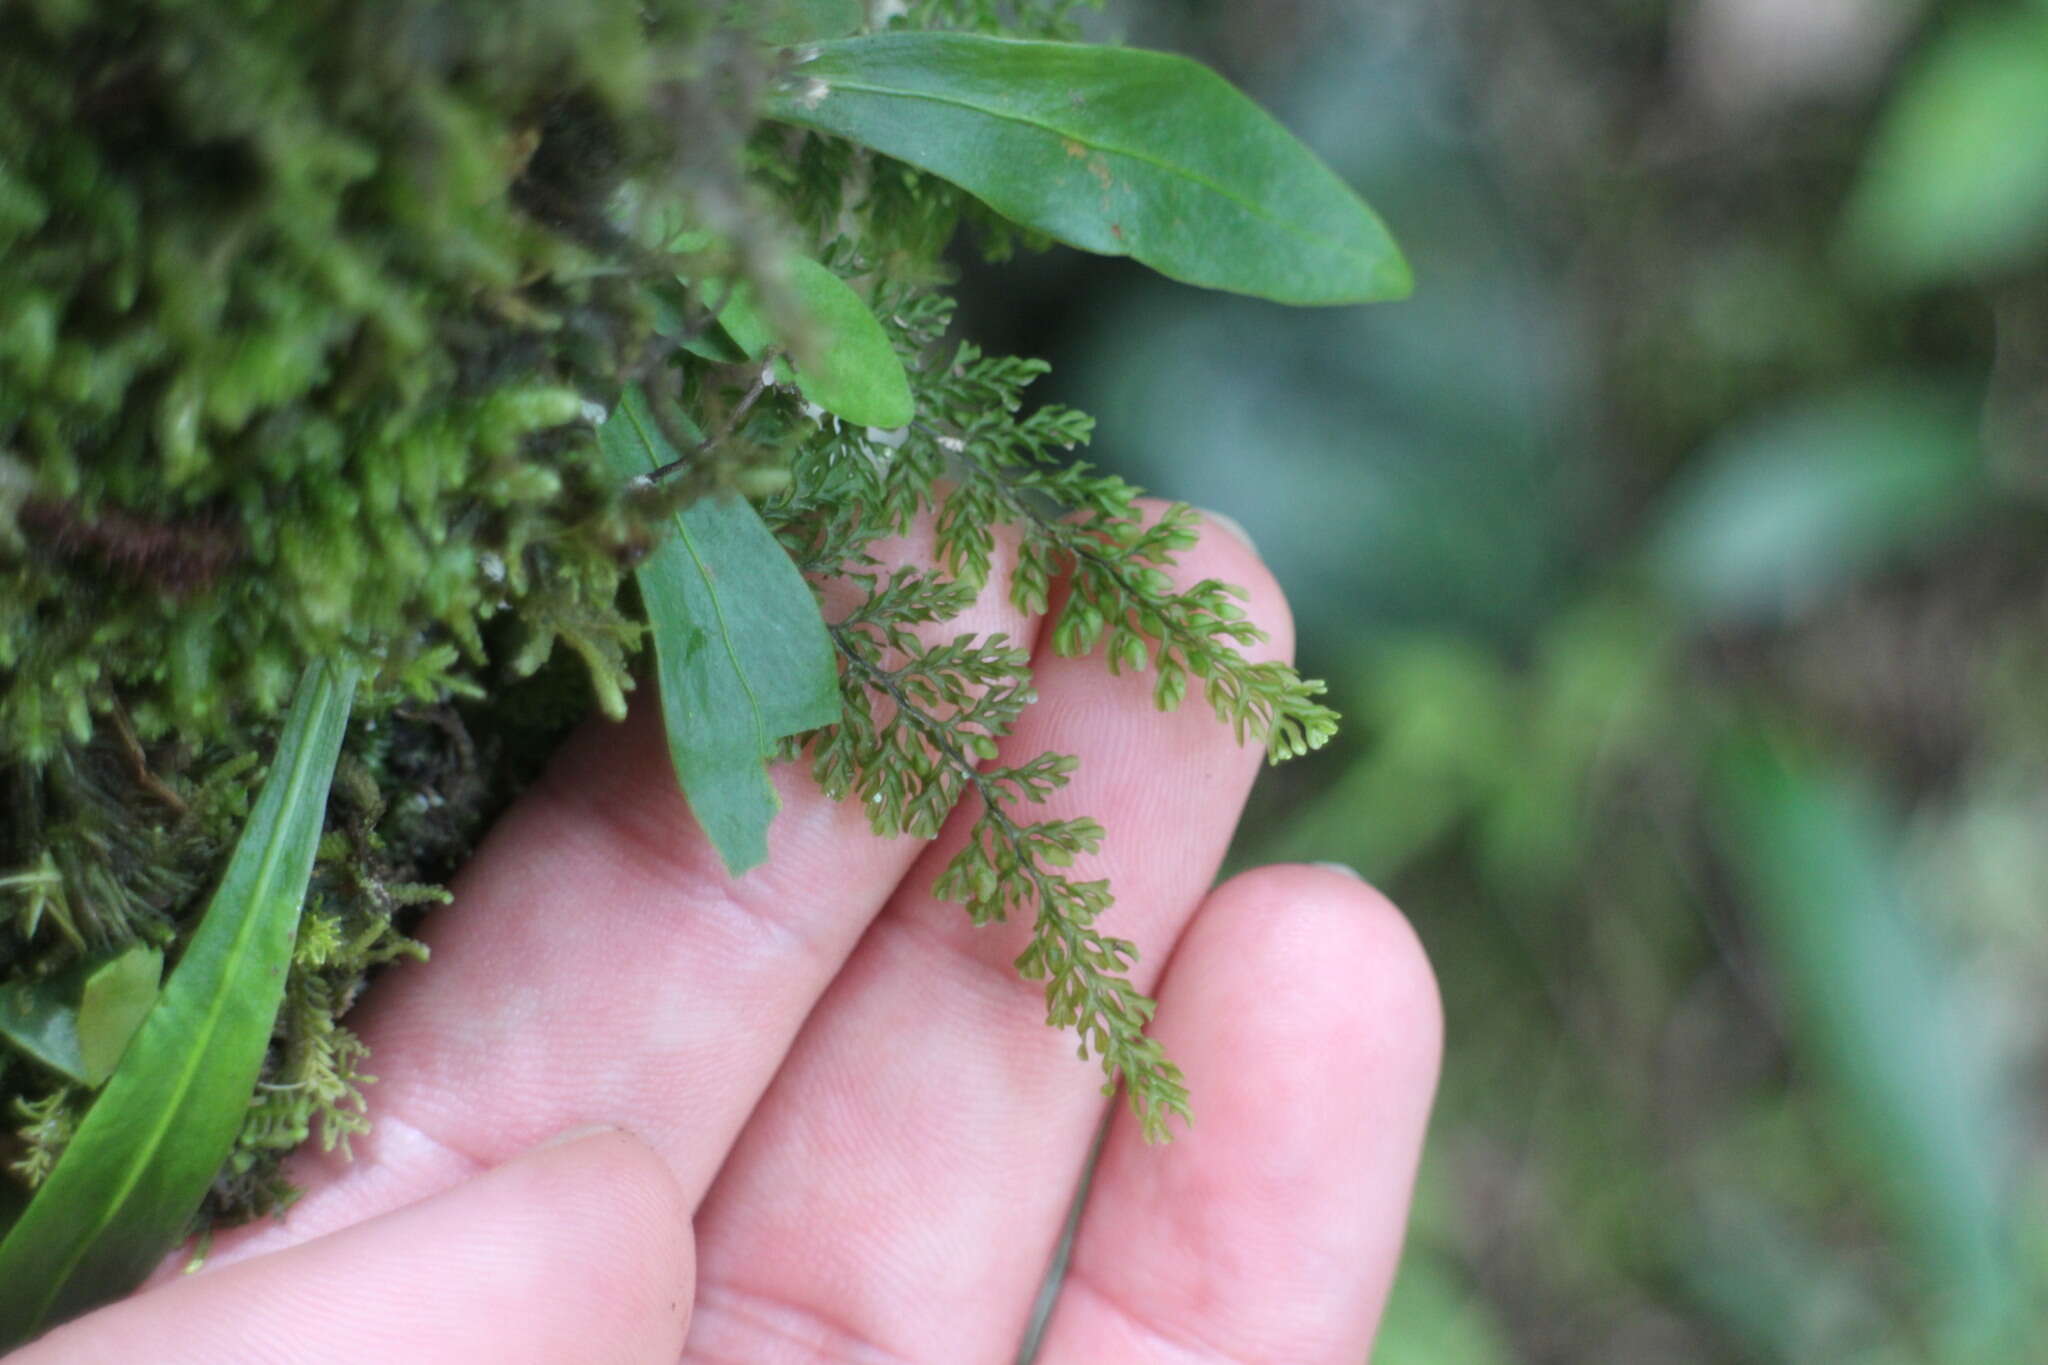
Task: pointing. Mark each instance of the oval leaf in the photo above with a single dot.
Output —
(1113, 150)
(1957, 181)
(120, 1196)
(846, 366)
(118, 996)
(78, 1022)
(742, 654)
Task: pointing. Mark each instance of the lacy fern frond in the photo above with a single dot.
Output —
(923, 724)
(924, 734)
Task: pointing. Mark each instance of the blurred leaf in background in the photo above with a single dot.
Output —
(1679, 557)
(1805, 501)
(1956, 183)
(1874, 1013)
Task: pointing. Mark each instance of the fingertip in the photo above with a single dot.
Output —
(1223, 521)
(1328, 925)
(620, 1193)
(621, 1229)
(1337, 1021)
(1303, 1010)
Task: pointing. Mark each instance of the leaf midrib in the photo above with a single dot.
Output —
(732, 656)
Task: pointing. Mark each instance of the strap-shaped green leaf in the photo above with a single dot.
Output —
(122, 1193)
(1112, 150)
(849, 368)
(741, 651)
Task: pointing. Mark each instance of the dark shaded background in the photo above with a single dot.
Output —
(1676, 556)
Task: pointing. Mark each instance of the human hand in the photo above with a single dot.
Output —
(835, 1126)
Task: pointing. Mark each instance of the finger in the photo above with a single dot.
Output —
(597, 965)
(1305, 1014)
(577, 1251)
(922, 1144)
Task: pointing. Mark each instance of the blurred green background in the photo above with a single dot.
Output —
(1679, 557)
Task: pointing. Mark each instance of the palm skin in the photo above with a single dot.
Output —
(812, 1115)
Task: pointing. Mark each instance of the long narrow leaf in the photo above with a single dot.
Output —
(126, 1186)
(1112, 150)
(1875, 1010)
(742, 653)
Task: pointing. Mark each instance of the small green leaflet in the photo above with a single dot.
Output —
(79, 1022)
(742, 654)
(850, 369)
(120, 1196)
(843, 361)
(1112, 150)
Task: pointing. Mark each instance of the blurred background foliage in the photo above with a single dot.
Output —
(1679, 556)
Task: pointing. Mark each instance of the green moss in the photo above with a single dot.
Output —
(303, 301)
(287, 338)
(307, 310)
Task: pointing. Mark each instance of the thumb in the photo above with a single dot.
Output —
(577, 1250)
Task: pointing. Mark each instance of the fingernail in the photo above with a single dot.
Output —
(577, 1134)
(1342, 869)
(1232, 525)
